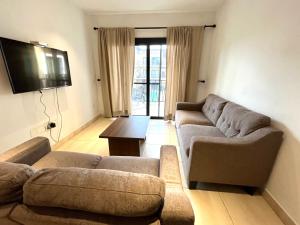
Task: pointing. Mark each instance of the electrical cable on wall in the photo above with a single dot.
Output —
(61, 118)
(46, 114)
(49, 118)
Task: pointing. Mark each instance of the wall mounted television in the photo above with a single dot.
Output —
(33, 68)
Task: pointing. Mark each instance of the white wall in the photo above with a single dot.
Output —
(256, 63)
(156, 20)
(62, 26)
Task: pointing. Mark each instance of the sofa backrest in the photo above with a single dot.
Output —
(107, 192)
(237, 121)
(213, 107)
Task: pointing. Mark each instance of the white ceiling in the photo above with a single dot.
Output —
(144, 6)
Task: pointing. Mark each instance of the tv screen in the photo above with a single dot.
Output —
(33, 68)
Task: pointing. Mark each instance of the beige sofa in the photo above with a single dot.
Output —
(73, 188)
(222, 142)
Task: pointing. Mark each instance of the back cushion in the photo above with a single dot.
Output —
(237, 121)
(213, 107)
(12, 178)
(100, 191)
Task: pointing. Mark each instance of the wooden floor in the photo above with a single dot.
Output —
(218, 205)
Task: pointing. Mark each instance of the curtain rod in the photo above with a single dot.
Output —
(146, 28)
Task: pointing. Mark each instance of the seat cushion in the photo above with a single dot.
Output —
(12, 178)
(130, 164)
(237, 121)
(107, 192)
(213, 107)
(5, 212)
(191, 117)
(186, 132)
(67, 159)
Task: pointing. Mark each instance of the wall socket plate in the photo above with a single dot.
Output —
(38, 130)
(51, 125)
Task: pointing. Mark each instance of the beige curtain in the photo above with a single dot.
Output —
(116, 55)
(184, 47)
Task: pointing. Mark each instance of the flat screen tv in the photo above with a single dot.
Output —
(32, 68)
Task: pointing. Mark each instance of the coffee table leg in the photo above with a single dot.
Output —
(124, 147)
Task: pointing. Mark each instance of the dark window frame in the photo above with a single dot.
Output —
(148, 42)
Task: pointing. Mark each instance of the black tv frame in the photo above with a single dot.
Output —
(10, 77)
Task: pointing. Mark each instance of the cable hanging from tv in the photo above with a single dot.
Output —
(49, 123)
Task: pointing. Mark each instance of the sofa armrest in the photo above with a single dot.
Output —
(177, 208)
(190, 106)
(28, 152)
(246, 160)
(169, 165)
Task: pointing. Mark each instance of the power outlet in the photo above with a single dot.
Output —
(51, 125)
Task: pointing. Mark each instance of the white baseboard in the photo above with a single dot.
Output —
(278, 209)
(72, 134)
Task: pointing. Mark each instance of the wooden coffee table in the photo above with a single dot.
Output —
(124, 135)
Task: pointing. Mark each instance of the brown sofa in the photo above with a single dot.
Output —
(222, 142)
(74, 188)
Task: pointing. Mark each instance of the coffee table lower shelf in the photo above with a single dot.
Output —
(124, 146)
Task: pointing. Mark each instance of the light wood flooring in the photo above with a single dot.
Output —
(219, 205)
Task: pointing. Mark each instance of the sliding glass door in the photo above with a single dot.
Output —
(148, 95)
(139, 89)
